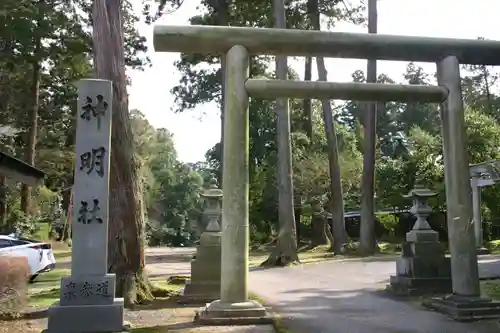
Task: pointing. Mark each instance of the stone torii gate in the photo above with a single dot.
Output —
(239, 43)
(481, 175)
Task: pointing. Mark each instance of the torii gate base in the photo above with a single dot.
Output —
(234, 307)
(238, 44)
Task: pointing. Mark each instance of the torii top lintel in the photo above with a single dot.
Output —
(488, 167)
(295, 42)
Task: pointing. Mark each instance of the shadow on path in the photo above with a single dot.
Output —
(366, 310)
(346, 296)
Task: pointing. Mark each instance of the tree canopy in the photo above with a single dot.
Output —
(46, 47)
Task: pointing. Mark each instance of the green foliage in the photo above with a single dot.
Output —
(55, 35)
(493, 246)
(24, 226)
(389, 221)
(409, 145)
(171, 188)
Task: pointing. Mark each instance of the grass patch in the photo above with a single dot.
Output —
(280, 327)
(162, 288)
(493, 246)
(259, 254)
(52, 276)
(389, 248)
(178, 279)
(61, 249)
(278, 324)
(45, 291)
(44, 298)
(491, 289)
(148, 330)
(43, 231)
(62, 254)
(254, 297)
(44, 284)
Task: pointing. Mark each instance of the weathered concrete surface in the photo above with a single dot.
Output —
(295, 42)
(457, 182)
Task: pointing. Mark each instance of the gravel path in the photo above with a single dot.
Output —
(338, 296)
(346, 297)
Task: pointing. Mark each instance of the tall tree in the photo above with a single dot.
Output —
(424, 115)
(38, 34)
(33, 117)
(477, 89)
(336, 193)
(285, 251)
(221, 7)
(307, 127)
(307, 108)
(368, 244)
(126, 228)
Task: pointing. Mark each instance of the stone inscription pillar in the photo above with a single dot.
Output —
(87, 297)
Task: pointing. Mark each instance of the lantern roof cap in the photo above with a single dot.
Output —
(213, 191)
(420, 191)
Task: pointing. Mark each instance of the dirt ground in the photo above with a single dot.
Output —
(161, 316)
(164, 314)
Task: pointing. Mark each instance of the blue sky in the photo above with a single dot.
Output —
(198, 130)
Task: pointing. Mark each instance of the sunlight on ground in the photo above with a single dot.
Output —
(260, 254)
(319, 253)
(62, 255)
(161, 315)
(44, 298)
(45, 290)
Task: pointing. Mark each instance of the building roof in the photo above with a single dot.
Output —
(20, 171)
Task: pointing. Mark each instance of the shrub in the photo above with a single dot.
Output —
(13, 285)
(22, 225)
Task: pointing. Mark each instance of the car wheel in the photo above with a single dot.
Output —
(33, 277)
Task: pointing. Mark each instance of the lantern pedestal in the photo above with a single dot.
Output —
(423, 267)
(204, 285)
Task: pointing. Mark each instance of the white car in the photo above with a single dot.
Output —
(39, 254)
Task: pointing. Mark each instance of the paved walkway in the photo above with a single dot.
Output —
(338, 296)
(345, 297)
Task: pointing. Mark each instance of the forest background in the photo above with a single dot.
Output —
(46, 47)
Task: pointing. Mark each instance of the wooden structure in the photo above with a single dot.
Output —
(18, 170)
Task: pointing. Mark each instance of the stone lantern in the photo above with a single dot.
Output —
(423, 267)
(204, 285)
(420, 209)
(212, 197)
